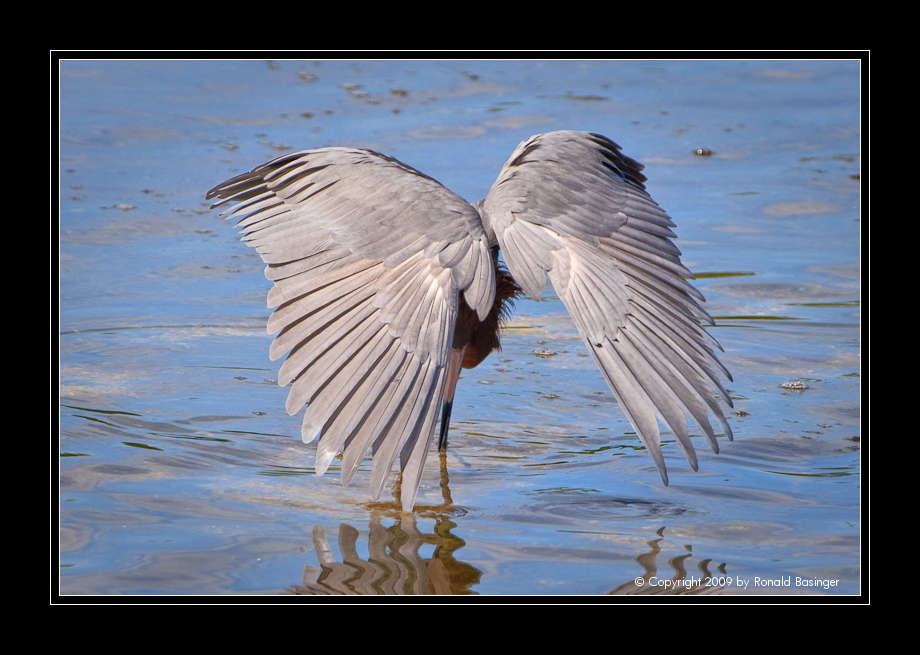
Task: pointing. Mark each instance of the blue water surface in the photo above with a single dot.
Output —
(180, 473)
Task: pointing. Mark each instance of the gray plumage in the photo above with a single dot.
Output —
(369, 259)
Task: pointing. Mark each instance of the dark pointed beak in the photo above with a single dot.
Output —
(450, 385)
(445, 424)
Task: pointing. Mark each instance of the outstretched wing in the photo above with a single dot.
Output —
(368, 257)
(570, 204)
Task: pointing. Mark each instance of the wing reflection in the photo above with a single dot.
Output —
(703, 581)
(394, 565)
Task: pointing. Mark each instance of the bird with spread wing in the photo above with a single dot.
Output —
(386, 284)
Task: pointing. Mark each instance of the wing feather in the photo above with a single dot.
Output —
(337, 390)
(364, 421)
(414, 451)
(571, 205)
(308, 369)
(413, 405)
(368, 258)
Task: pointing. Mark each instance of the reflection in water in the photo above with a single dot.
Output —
(651, 583)
(395, 566)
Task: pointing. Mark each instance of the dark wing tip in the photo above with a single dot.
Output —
(228, 188)
(220, 190)
(521, 158)
(627, 167)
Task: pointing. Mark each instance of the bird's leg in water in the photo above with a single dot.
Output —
(397, 488)
(445, 481)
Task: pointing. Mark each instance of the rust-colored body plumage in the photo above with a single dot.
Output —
(479, 338)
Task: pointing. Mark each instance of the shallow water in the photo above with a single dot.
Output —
(180, 472)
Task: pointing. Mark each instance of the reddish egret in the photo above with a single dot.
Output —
(386, 284)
